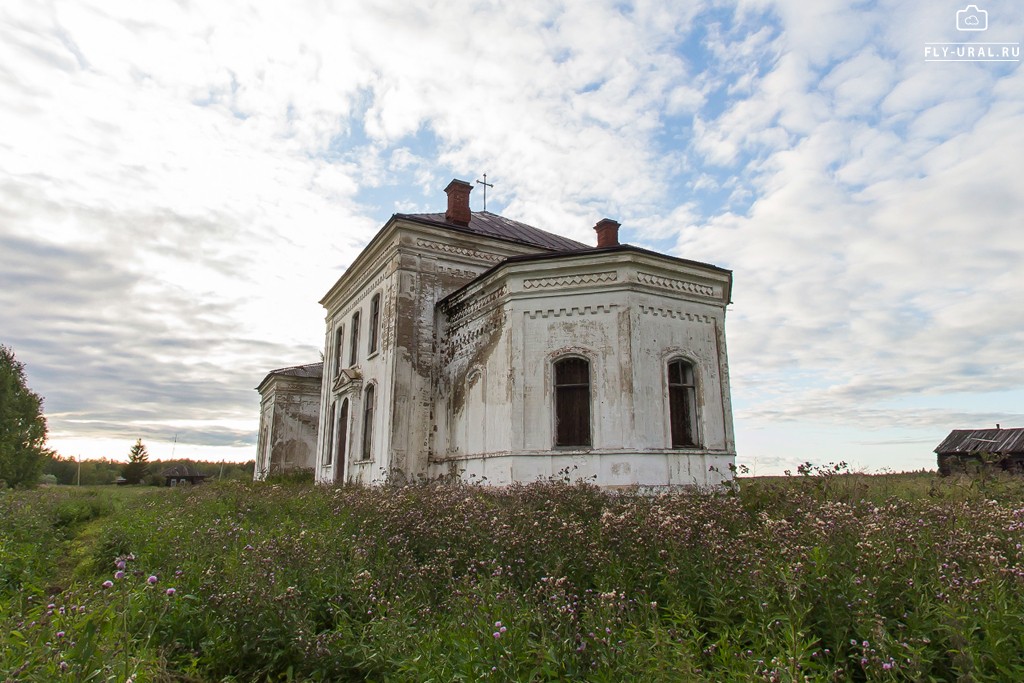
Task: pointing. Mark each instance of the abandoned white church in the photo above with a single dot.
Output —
(464, 344)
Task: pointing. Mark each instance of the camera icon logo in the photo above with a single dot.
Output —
(971, 18)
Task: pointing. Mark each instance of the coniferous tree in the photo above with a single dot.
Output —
(138, 464)
(22, 425)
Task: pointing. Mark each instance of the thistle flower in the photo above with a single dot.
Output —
(152, 580)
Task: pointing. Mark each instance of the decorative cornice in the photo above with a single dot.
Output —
(467, 340)
(460, 310)
(458, 251)
(567, 312)
(364, 291)
(347, 380)
(459, 272)
(571, 280)
(675, 315)
(676, 285)
(389, 252)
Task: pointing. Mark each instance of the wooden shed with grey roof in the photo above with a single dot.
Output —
(181, 474)
(969, 448)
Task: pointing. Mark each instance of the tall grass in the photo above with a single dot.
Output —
(823, 577)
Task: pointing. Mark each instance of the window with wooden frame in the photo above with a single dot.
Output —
(342, 431)
(682, 404)
(353, 352)
(572, 402)
(374, 324)
(339, 343)
(368, 401)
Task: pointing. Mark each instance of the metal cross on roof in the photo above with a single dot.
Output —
(486, 185)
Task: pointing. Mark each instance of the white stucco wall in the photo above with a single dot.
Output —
(413, 267)
(289, 414)
(629, 314)
(464, 384)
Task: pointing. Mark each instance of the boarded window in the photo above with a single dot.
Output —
(342, 431)
(368, 401)
(374, 323)
(353, 353)
(329, 450)
(572, 402)
(339, 342)
(682, 404)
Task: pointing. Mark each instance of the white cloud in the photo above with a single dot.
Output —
(187, 180)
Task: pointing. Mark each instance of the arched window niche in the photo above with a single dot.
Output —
(572, 400)
(353, 355)
(342, 440)
(368, 408)
(374, 327)
(329, 450)
(682, 403)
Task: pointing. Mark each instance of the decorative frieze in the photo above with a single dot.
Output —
(458, 251)
(468, 340)
(570, 311)
(675, 315)
(458, 273)
(464, 308)
(675, 285)
(571, 280)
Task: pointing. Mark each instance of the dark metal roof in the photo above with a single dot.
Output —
(493, 225)
(588, 251)
(974, 441)
(309, 370)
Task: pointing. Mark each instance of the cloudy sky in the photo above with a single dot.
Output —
(181, 181)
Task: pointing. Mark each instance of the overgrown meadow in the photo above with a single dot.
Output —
(821, 577)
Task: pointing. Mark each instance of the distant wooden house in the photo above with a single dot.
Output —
(182, 474)
(969, 448)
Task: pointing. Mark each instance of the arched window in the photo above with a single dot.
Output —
(342, 431)
(353, 352)
(682, 404)
(368, 400)
(339, 342)
(374, 323)
(329, 450)
(572, 402)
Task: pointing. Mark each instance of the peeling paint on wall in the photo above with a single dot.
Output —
(470, 328)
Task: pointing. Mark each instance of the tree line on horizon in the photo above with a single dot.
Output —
(65, 470)
(25, 461)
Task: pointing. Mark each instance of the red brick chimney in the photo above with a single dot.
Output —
(458, 202)
(607, 233)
